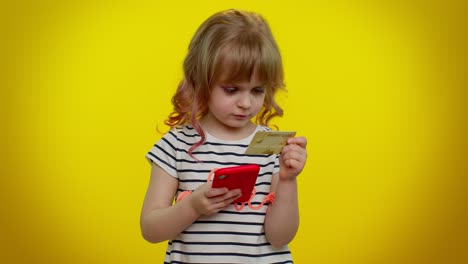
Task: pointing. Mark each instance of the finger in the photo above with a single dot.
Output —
(213, 192)
(294, 150)
(232, 199)
(231, 195)
(301, 141)
(298, 158)
(293, 164)
(297, 154)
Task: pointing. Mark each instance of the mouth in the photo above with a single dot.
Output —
(241, 116)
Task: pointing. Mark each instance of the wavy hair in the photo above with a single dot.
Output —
(229, 46)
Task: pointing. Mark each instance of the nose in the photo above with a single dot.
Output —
(244, 101)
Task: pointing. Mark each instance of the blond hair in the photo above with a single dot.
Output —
(229, 46)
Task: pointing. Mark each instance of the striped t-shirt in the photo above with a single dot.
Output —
(230, 236)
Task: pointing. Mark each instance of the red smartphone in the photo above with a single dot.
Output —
(241, 177)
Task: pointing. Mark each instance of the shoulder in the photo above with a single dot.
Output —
(184, 134)
(180, 133)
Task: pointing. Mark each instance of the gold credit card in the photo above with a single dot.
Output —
(269, 142)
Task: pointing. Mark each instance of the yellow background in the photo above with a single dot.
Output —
(379, 90)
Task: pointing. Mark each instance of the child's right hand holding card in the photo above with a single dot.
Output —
(292, 150)
(293, 158)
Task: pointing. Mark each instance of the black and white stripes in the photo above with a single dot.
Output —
(229, 236)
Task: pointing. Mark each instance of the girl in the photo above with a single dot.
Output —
(231, 74)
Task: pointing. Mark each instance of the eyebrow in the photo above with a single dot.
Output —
(238, 85)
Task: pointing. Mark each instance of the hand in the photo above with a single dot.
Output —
(293, 158)
(208, 201)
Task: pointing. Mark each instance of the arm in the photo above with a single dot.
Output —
(282, 219)
(160, 220)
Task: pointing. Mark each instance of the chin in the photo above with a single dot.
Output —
(237, 124)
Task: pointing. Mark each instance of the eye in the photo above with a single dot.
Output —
(258, 90)
(229, 89)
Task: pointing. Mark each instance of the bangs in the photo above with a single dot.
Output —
(243, 57)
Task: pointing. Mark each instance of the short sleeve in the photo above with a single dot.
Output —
(164, 153)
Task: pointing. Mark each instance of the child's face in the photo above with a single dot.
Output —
(233, 105)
